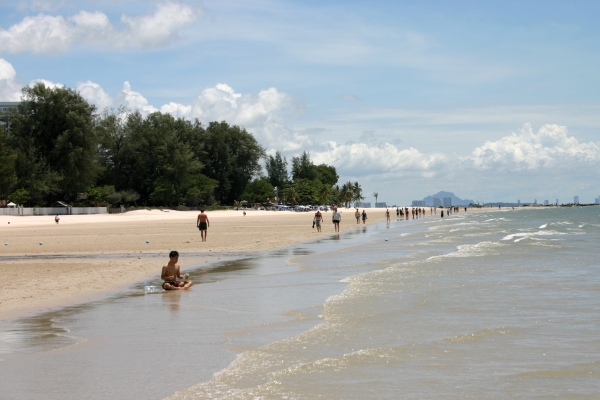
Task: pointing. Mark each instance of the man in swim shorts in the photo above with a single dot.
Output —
(357, 216)
(170, 273)
(317, 220)
(203, 223)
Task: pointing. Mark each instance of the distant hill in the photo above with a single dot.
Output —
(456, 201)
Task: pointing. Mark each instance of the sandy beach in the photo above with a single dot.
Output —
(86, 257)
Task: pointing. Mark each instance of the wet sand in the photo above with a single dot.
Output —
(86, 257)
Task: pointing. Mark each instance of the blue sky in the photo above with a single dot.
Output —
(492, 100)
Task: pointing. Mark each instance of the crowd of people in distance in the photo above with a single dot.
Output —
(171, 271)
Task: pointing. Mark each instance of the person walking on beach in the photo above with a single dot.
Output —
(442, 213)
(170, 273)
(364, 217)
(57, 219)
(317, 220)
(357, 215)
(387, 215)
(336, 218)
(203, 224)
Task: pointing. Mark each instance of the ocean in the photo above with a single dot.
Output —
(490, 304)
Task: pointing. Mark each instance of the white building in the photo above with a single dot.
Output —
(546, 202)
(576, 200)
(418, 203)
(597, 200)
(447, 202)
(437, 202)
(6, 106)
(535, 202)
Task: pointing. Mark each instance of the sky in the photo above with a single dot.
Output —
(494, 100)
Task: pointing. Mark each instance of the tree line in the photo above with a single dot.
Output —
(56, 146)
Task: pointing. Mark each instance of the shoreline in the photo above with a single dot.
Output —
(75, 264)
(49, 276)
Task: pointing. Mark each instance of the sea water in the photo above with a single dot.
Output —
(482, 305)
(492, 304)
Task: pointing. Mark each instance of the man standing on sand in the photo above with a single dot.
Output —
(387, 215)
(357, 216)
(57, 219)
(336, 218)
(203, 224)
(170, 273)
(317, 220)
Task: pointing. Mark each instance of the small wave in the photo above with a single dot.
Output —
(470, 337)
(528, 234)
(543, 226)
(472, 250)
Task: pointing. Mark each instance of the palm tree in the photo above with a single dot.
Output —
(324, 194)
(291, 194)
(337, 194)
(357, 192)
(375, 195)
(347, 193)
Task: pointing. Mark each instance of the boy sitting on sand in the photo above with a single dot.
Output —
(170, 273)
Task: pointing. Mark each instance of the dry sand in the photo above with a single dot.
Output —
(88, 256)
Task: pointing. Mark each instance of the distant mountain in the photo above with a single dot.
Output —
(456, 201)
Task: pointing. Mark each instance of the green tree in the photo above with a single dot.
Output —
(8, 174)
(232, 159)
(258, 191)
(308, 191)
(303, 167)
(346, 193)
(375, 195)
(357, 192)
(290, 194)
(53, 132)
(277, 171)
(20, 197)
(327, 174)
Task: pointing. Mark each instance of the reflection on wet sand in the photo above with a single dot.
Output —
(132, 334)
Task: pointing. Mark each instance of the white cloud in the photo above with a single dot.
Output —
(134, 100)
(551, 147)
(94, 93)
(362, 159)
(51, 34)
(10, 88)
(177, 110)
(222, 103)
(350, 97)
(46, 83)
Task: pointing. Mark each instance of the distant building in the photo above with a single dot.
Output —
(381, 205)
(437, 202)
(447, 201)
(546, 203)
(6, 106)
(360, 204)
(535, 202)
(556, 201)
(418, 203)
(576, 200)
(597, 200)
(519, 202)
